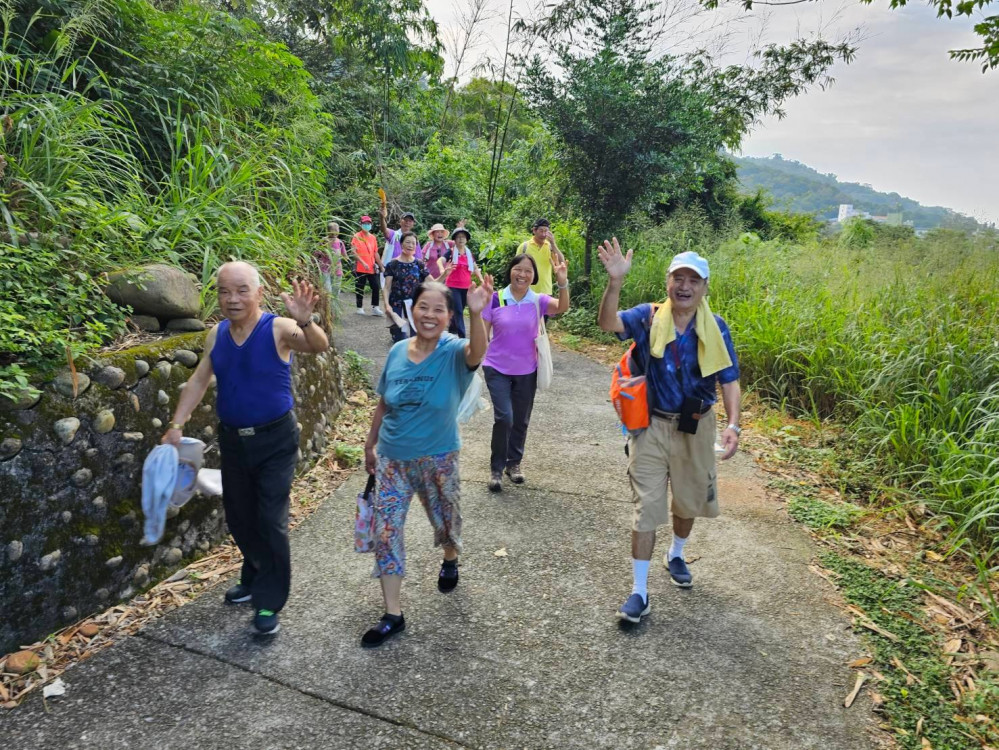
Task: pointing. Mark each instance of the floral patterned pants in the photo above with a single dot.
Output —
(434, 479)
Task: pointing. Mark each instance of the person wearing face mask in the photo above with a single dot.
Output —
(403, 275)
(412, 447)
(511, 363)
(364, 246)
(685, 351)
(459, 265)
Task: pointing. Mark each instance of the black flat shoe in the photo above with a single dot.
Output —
(448, 577)
(384, 629)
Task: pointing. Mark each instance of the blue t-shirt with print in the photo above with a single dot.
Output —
(666, 390)
(422, 400)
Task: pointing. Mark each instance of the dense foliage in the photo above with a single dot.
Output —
(133, 134)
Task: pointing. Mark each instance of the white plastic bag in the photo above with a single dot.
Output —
(472, 402)
(546, 370)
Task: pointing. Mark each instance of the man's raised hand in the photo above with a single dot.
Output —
(301, 302)
(617, 265)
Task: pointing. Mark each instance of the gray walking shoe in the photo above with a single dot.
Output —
(496, 482)
(516, 475)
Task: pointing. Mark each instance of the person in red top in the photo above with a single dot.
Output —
(367, 266)
(458, 275)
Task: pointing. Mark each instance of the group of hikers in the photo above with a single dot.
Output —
(681, 353)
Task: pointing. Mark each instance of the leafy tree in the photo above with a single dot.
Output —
(987, 28)
(631, 127)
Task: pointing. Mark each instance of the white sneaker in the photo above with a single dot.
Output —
(360, 311)
(376, 310)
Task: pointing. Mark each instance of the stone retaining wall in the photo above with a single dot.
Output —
(70, 481)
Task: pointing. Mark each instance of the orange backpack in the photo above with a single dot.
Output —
(629, 390)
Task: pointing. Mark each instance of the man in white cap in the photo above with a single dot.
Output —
(684, 350)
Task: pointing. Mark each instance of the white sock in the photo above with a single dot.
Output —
(676, 548)
(640, 572)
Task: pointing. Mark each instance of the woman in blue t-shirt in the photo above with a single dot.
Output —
(412, 446)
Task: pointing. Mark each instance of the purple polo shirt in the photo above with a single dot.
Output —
(512, 350)
(392, 238)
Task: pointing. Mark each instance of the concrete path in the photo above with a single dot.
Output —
(526, 653)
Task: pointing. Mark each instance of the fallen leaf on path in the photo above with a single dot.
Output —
(862, 662)
(861, 679)
(990, 659)
(953, 646)
(879, 630)
(926, 744)
(500, 552)
(56, 688)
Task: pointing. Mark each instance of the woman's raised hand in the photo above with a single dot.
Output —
(617, 265)
(479, 296)
(561, 272)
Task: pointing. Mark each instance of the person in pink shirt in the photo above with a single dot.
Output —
(436, 248)
(458, 269)
(511, 363)
(329, 259)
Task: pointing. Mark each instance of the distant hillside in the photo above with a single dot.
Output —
(799, 188)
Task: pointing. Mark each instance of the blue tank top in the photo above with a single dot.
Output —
(254, 383)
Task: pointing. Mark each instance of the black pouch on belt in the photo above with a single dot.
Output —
(690, 415)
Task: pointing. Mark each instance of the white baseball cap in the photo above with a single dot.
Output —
(690, 260)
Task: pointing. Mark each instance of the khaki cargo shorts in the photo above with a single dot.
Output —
(661, 456)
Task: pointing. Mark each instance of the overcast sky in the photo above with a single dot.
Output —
(902, 117)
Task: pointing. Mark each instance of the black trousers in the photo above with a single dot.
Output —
(460, 297)
(513, 402)
(257, 471)
(370, 278)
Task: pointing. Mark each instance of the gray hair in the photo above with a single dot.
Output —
(254, 277)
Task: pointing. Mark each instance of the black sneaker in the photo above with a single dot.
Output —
(238, 594)
(266, 622)
(496, 482)
(448, 577)
(384, 629)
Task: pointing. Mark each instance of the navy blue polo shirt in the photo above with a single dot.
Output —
(666, 390)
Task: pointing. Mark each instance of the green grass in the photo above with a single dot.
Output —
(819, 514)
(356, 375)
(349, 455)
(896, 607)
(902, 350)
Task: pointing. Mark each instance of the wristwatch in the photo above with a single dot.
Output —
(305, 325)
(176, 425)
(737, 428)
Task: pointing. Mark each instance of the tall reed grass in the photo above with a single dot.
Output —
(85, 190)
(900, 343)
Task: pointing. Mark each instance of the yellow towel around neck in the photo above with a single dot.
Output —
(712, 354)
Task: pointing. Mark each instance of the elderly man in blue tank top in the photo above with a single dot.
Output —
(250, 355)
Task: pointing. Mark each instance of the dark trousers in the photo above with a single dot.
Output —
(513, 401)
(257, 471)
(460, 297)
(360, 280)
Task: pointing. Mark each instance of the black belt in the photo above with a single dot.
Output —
(672, 415)
(257, 429)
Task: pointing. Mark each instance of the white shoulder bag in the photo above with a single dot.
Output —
(545, 368)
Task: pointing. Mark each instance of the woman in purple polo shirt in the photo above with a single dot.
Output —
(511, 363)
